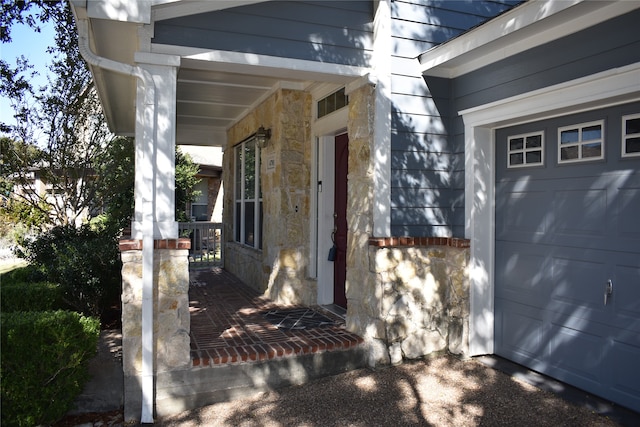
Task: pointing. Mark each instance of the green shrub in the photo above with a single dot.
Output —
(86, 263)
(43, 364)
(39, 296)
(27, 274)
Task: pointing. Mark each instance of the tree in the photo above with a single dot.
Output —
(61, 135)
(74, 136)
(186, 180)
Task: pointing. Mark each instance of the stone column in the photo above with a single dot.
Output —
(170, 313)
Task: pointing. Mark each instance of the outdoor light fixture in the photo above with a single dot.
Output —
(262, 136)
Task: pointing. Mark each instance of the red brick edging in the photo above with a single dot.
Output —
(453, 242)
(136, 245)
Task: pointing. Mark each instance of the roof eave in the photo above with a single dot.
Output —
(526, 26)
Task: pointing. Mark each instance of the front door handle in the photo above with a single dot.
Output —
(608, 290)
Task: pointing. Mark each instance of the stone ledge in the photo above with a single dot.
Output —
(453, 242)
(136, 245)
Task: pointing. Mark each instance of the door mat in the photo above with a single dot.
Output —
(297, 318)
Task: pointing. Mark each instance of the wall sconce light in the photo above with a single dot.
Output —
(262, 136)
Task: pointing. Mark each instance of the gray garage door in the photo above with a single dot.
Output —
(567, 289)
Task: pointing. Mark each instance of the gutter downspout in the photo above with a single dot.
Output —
(148, 204)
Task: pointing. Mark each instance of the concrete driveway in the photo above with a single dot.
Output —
(441, 391)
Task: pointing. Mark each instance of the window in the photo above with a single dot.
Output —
(581, 142)
(525, 150)
(631, 136)
(248, 195)
(332, 103)
(201, 203)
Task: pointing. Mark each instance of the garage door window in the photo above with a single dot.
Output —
(525, 150)
(583, 142)
(631, 136)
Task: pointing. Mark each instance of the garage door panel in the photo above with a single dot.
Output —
(580, 213)
(521, 332)
(563, 230)
(525, 275)
(578, 287)
(626, 293)
(624, 361)
(575, 352)
(524, 215)
(627, 228)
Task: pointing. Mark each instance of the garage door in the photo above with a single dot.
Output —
(567, 282)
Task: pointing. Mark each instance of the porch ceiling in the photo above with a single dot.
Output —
(214, 89)
(209, 101)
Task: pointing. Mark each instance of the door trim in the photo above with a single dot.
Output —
(321, 214)
(326, 175)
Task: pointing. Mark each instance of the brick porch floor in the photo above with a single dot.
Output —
(227, 327)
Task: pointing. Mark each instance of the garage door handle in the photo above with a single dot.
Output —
(608, 290)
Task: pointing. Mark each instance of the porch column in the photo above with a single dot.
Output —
(155, 168)
(381, 149)
(155, 267)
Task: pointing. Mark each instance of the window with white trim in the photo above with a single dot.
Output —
(199, 207)
(248, 195)
(525, 150)
(631, 135)
(579, 143)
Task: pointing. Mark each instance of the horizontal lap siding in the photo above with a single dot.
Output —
(427, 157)
(337, 32)
(612, 44)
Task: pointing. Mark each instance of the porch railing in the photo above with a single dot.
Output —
(206, 242)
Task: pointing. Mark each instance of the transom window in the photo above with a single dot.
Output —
(525, 150)
(333, 102)
(631, 136)
(583, 142)
(248, 194)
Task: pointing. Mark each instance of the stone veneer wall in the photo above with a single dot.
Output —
(407, 297)
(279, 270)
(170, 311)
(420, 302)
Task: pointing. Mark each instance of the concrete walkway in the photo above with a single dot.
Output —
(103, 392)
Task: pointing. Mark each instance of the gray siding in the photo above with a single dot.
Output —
(611, 44)
(337, 32)
(427, 160)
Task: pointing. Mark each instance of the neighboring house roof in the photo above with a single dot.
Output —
(208, 158)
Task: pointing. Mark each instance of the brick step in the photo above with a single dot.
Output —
(314, 341)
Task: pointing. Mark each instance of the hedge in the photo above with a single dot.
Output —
(84, 261)
(40, 296)
(43, 364)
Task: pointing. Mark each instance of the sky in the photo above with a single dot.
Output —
(33, 45)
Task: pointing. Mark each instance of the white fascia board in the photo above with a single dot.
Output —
(178, 8)
(616, 86)
(526, 26)
(120, 10)
(270, 66)
(156, 59)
